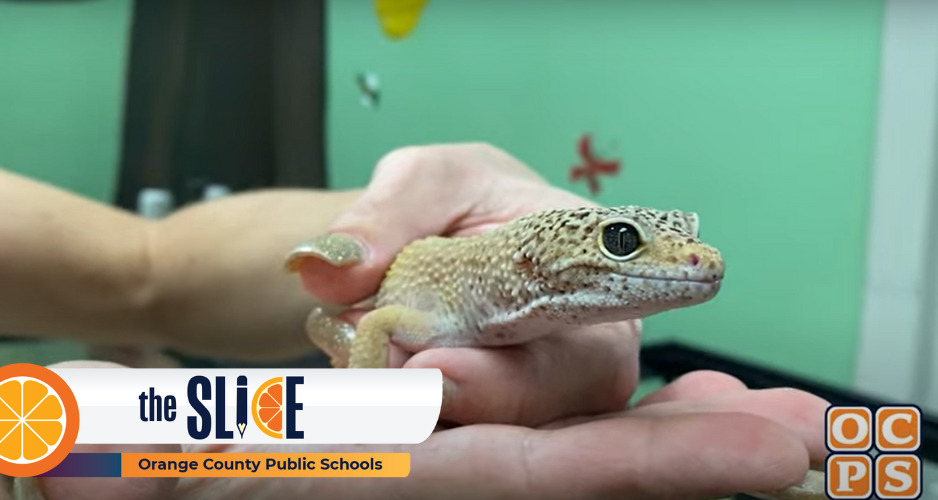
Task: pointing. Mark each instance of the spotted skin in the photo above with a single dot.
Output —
(531, 277)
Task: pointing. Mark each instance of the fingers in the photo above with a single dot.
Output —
(454, 189)
(668, 457)
(78, 488)
(116, 488)
(662, 458)
(409, 197)
(678, 456)
(695, 385)
(801, 413)
(584, 371)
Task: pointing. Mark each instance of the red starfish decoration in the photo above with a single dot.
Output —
(591, 166)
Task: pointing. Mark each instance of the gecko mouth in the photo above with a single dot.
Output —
(696, 277)
(715, 280)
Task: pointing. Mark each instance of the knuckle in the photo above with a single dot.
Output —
(400, 161)
(483, 148)
(416, 166)
(431, 171)
(420, 161)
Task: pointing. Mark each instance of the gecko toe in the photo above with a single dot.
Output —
(335, 249)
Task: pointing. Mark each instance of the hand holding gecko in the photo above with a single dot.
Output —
(476, 188)
(463, 190)
(559, 401)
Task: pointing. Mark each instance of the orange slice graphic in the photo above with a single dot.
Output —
(31, 420)
(267, 408)
(38, 420)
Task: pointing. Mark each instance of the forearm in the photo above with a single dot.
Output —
(69, 266)
(205, 280)
(220, 288)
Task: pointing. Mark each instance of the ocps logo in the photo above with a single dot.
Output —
(896, 472)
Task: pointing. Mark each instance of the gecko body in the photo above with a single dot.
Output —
(531, 277)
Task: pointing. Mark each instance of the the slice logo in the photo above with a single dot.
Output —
(852, 433)
(38, 420)
(273, 408)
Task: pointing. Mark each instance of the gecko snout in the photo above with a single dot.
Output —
(693, 260)
(703, 264)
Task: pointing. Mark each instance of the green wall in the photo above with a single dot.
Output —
(757, 114)
(61, 91)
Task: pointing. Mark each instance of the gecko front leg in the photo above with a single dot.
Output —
(370, 347)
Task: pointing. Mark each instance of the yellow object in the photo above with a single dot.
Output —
(398, 18)
(30, 420)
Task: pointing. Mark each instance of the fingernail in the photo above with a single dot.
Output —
(449, 394)
(336, 249)
(331, 335)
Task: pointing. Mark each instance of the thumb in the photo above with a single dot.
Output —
(347, 265)
(404, 202)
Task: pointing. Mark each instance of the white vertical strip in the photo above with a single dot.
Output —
(892, 336)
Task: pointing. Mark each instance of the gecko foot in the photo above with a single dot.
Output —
(332, 336)
(335, 249)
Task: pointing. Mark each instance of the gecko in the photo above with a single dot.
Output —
(537, 275)
(531, 277)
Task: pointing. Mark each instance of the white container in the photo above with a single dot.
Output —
(215, 191)
(154, 203)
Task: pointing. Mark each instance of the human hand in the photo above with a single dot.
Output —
(420, 191)
(466, 189)
(702, 436)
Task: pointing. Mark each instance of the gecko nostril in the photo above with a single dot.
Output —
(694, 259)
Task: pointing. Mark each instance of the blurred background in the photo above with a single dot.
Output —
(802, 131)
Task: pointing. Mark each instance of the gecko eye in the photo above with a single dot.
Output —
(621, 240)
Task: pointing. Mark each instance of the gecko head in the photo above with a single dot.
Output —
(622, 262)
